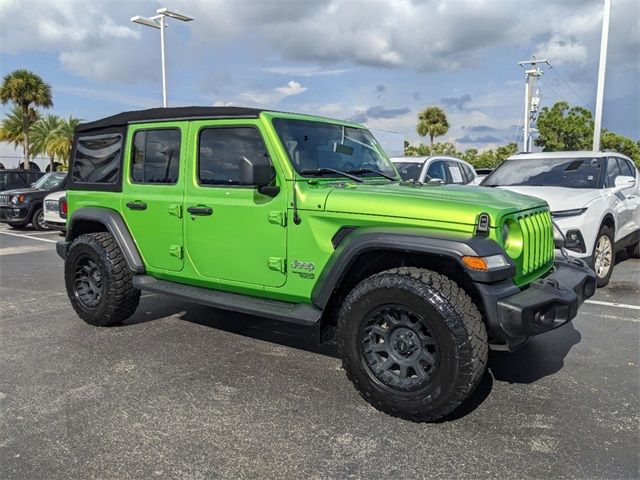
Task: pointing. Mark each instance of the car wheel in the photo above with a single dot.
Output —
(38, 219)
(98, 280)
(412, 342)
(603, 256)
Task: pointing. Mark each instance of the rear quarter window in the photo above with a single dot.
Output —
(97, 161)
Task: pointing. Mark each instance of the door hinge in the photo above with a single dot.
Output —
(277, 263)
(175, 251)
(175, 209)
(278, 218)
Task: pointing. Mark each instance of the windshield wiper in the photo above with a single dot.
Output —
(371, 170)
(321, 171)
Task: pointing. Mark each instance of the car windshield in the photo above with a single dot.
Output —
(317, 148)
(50, 181)
(548, 172)
(409, 170)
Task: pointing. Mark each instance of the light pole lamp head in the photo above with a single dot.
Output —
(149, 22)
(174, 14)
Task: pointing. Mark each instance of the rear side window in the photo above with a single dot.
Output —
(97, 159)
(625, 168)
(221, 152)
(456, 173)
(468, 172)
(156, 156)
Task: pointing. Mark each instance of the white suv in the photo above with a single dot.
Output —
(52, 211)
(594, 199)
(448, 170)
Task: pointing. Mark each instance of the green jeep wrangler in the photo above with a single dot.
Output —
(304, 219)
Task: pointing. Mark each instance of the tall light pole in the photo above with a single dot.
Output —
(597, 124)
(157, 21)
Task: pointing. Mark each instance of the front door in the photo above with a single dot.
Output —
(153, 192)
(234, 234)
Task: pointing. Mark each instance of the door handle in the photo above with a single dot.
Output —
(137, 205)
(200, 210)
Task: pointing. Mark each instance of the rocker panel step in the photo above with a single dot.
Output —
(300, 313)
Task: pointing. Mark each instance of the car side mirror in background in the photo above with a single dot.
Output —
(260, 173)
(624, 181)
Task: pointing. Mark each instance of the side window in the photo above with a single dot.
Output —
(437, 170)
(612, 173)
(97, 159)
(455, 172)
(468, 172)
(626, 168)
(221, 152)
(156, 156)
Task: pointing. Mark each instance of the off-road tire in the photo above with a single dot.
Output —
(634, 250)
(604, 231)
(38, 215)
(457, 327)
(119, 298)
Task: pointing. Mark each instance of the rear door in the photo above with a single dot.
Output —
(153, 192)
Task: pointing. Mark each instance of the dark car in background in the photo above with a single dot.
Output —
(10, 179)
(22, 206)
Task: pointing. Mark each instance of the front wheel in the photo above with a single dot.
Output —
(412, 342)
(38, 219)
(603, 256)
(98, 280)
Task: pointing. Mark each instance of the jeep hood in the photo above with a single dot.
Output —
(444, 203)
(559, 198)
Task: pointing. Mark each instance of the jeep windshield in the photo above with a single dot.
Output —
(50, 181)
(325, 149)
(547, 172)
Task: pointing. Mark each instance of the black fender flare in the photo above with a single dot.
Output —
(452, 245)
(115, 225)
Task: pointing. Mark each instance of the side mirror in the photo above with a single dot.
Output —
(624, 181)
(258, 172)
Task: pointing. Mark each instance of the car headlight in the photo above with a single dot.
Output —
(512, 239)
(574, 212)
(16, 199)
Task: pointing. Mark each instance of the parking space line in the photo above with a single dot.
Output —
(613, 304)
(27, 236)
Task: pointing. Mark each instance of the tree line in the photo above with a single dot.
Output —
(560, 128)
(25, 126)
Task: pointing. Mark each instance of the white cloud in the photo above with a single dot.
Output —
(311, 71)
(272, 96)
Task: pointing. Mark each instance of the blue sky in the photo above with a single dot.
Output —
(378, 62)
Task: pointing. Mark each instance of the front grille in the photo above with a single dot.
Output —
(4, 199)
(51, 205)
(537, 235)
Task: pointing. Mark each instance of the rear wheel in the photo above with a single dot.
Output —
(603, 256)
(412, 342)
(38, 219)
(98, 280)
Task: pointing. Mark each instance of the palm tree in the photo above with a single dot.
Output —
(62, 141)
(432, 121)
(11, 127)
(42, 133)
(25, 90)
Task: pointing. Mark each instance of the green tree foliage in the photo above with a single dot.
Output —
(618, 143)
(487, 159)
(41, 134)
(25, 90)
(62, 141)
(11, 127)
(433, 122)
(563, 127)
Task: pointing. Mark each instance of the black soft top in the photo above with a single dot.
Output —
(172, 113)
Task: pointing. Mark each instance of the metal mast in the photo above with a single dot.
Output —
(530, 102)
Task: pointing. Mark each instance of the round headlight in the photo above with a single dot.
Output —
(15, 200)
(512, 238)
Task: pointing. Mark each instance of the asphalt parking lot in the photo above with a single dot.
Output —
(184, 391)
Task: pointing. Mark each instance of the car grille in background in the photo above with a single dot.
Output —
(4, 199)
(537, 233)
(51, 205)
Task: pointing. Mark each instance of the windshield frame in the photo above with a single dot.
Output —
(598, 182)
(374, 146)
(37, 184)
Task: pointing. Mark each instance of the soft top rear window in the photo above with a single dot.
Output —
(97, 159)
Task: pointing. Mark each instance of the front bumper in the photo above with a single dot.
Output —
(13, 215)
(62, 226)
(547, 303)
